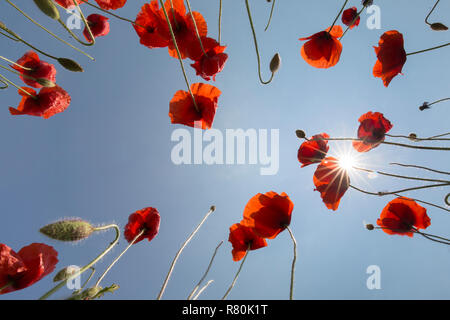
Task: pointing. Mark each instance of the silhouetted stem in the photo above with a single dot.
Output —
(351, 23)
(15, 85)
(120, 255)
(414, 230)
(294, 259)
(429, 49)
(111, 14)
(400, 176)
(6, 286)
(436, 138)
(202, 289)
(48, 31)
(179, 55)
(432, 9)
(206, 272)
(337, 17)
(419, 167)
(195, 27)
(237, 274)
(90, 264)
(400, 191)
(175, 259)
(256, 46)
(424, 202)
(220, 21)
(270, 17)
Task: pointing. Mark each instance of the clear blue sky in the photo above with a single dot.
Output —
(109, 155)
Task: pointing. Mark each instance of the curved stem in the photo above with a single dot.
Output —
(399, 191)
(175, 259)
(89, 278)
(270, 17)
(206, 272)
(401, 177)
(419, 167)
(431, 237)
(16, 64)
(9, 37)
(112, 14)
(23, 75)
(195, 27)
(429, 49)
(237, 274)
(424, 202)
(436, 138)
(48, 31)
(179, 55)
(337, 17)
(118, 257)
(432, 9)
(294, 242)
(445, 99)
(202, 289)
(90, 264)
(5, 84)
(15, 85)
(256, 45)
(220, 21)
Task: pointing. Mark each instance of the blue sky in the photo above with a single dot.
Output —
(108, 155)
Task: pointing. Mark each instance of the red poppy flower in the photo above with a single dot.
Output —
(268, 214)
(348, 16)
(331, 181)
(402, 215)
(323, 50)
(49, 102)
(99, 26)
(111, 4)
(39, 69)
(151, 26)
(183, 28)
(241, 237)
(24, 268)
(313, 151)
(183, 111)
(212, 63)
(372, 130)
(148, 219)
(391, 56)
(68, 3)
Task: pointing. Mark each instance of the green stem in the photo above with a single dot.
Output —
(206, 272)
(353, 21)
(9, 37)
(5, 84)
(6, 286)
(270, 16)
(173, 13)
(294, 242)
(48, 31)
(195, 27)
(237, 273)
(23, 75)
(429, 49)
(220, 20)
(90, 264)
(15, 85)
(175, 259)
(112, 14)
(256, 45)
(119, 256)
(16, 64)
(400, 191)
(337, 17)
(179, 55)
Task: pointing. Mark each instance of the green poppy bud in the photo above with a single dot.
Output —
(48, 8)
(70, 65)
(68, 230)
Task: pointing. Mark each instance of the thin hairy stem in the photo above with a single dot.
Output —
(429, 49)
(294, 259)
(337, 17)
(419, 167)
(15, 85)
(400, 176)
(429, 14)
(237, 274)
(270, 17)
(202, 289)
(399, 191)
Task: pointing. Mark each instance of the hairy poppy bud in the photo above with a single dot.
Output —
(45, 82)
(70, 65)
(300, 134)
(65, 273)
(438, 26)
(275, 63)
(370, 227)
(213, 208)
(48, 8)
(68, 230)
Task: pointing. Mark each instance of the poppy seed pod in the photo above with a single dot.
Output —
(70, 65)
(438, 26)
(300, 134)
(412, 137)
(370, 227)
(275, 63)
(65, 273)
(68, 230)
(48, 8)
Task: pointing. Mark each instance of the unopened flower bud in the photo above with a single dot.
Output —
(48, 8)
(213, 208)
(70, 65)
(367, 3)
(68, 230)
(412, 137)
(437, 26)
(65, 273)
(275, 63)
(424, 106)
(300, 134)
(370, 226)
(45, 82)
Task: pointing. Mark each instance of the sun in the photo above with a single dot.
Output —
(347, 161)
